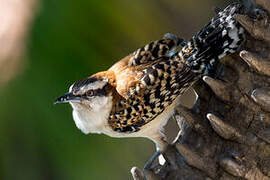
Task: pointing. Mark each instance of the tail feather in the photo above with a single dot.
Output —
(222, 36)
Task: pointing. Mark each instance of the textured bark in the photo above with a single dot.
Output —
(226, 135)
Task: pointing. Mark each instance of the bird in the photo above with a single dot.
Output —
(138, 94)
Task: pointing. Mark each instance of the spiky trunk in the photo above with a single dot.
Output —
(227, 134)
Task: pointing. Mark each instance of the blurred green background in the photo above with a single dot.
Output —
(70, 40)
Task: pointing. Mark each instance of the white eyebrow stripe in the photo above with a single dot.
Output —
(94, 85)
(70, 88)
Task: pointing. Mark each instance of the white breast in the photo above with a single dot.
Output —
(95, 120)
(92, 119)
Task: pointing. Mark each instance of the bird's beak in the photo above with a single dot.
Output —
(68, 97)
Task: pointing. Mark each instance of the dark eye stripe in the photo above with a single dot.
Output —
(99, 92)
(96, 92)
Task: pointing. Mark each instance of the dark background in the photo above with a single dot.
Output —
(70, 40)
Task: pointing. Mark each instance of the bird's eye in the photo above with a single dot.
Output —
(90, 93)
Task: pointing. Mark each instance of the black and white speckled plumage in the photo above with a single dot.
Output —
(137, 94)
(159, 85)
(165, 77)
(222, 36)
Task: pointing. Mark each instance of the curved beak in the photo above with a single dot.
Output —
(68, 97)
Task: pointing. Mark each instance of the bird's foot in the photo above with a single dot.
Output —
(171, 156)
(149, 164)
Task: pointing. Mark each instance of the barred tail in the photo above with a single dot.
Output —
(220, 37)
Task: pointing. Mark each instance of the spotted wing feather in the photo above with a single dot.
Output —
(167, 46)
(158, 87)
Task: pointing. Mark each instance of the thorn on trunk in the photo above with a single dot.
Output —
(257, 62)
(137, 174)
(263, 3)
(233, 167)
(192, 119)
(259, 29)
(224, 130)
(194, 159)
(262, 97)
(220, 88)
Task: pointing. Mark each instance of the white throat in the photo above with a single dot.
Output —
(92, 119)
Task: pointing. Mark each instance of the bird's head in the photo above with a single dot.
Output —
(91, 100)
(90, 93)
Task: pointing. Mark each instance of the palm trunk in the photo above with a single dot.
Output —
(227, 134)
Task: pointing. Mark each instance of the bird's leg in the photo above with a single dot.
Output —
(161, 144)
(169, 152)
(170, 155)
(150, 162)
